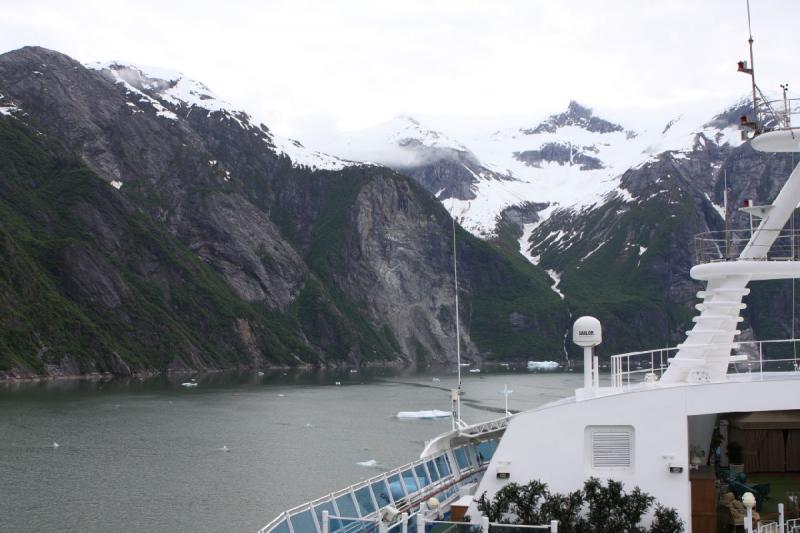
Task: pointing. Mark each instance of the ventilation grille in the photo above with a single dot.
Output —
(612, 449)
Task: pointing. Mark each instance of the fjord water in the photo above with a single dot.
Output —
(227, 455)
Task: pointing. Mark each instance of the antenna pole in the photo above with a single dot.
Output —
(725, 211)
(458, 331)
(752, 67)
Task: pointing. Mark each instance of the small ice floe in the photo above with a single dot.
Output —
(56, 445)
(475, 370)
(436, 380)
(189, 384)
(425, 415)
(372, 463)
(116, 184)
(542, 365)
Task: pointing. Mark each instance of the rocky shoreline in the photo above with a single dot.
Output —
(19, 375)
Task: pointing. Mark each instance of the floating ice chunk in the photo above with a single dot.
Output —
(427, 415)
(542, 365)
(369, 464)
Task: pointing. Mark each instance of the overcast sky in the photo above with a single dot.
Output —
(307, 66)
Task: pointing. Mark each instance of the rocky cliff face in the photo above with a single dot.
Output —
(147, 227)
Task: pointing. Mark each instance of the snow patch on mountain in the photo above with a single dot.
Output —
(7, 107)
(556, 277)
(393, 143)
(157, 87)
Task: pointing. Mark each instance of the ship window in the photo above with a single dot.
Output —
(610, 447)
(346, 507)
(364, 499)
(303, 522)
(381, 492)
(396, 486)
(432, 470)
(462, 458)
(441, 464)
(422, 475)
(411, 483)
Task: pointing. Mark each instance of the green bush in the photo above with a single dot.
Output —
(597, 508)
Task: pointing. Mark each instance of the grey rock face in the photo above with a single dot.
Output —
(169, 160)
(391, 251)
(575, 115)
(562, 154)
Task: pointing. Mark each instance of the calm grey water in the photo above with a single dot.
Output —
(146, 456)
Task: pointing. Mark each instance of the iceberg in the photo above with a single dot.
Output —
(427, 415)
(542, 365)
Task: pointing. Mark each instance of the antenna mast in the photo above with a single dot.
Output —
(752, 66)
(750, 69)
(457, 400)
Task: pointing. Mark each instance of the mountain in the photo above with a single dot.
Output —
(611, 214)
(147, 226)
(445, 167)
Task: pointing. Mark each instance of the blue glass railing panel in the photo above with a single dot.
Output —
(323, 506)
(303, 523)
(462, 458)
(349, 525)
(410, 482)
(486, 451)
(364, 500)
(282, 527)
(422, 475)
(345, 506)
(381, 492)
(396, 487)
(441, 464)
(432, 470)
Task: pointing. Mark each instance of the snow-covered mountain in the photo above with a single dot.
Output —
(568, 160)
(442, 164)
(150, 88)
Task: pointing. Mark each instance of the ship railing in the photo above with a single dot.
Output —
(747, 357)
(425, 525)
(781, 525)
(778, 114)
(402, 488)
(484, 428)
(716, 246)
(344, 524)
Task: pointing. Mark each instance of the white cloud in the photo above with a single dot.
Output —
(300, 65)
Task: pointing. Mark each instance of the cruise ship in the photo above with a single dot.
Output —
(653, 423)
